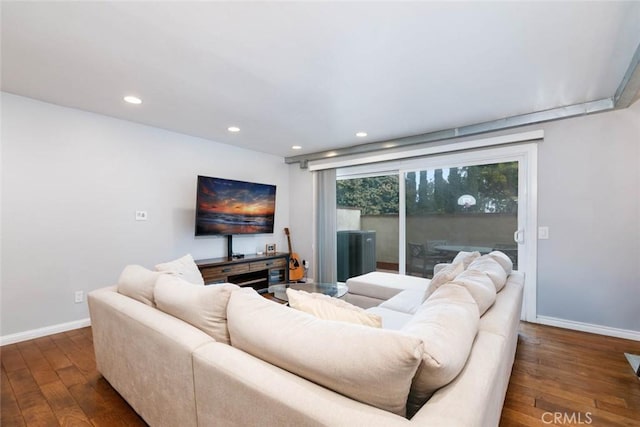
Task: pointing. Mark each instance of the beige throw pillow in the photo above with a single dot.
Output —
(447, 323)
(480, 286)
(327, 308)
(204, 307)
(185, 268)
(465, 258)
(137, 282)
(370, 365)
(494, 270)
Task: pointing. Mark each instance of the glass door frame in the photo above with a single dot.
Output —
(526, 154)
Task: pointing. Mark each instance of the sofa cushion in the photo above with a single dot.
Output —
(407, 301)
(383, 285)
(137, 282)
(480, 286)
(504, 261)
(494, 270)
(328, 308)
(447, 323)
(391, 319)
(185, 268)
(369, 365)
(362, 301)
(445, 275)
(439, 266)
(465, 258)
(204, 307)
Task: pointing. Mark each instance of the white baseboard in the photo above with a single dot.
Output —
(588, 327)
(43, 332)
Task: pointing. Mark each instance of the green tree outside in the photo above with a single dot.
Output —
(374, 196)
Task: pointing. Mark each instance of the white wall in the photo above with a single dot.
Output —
(302, 215)
(349, 219)
(589, 197)
(71, 183)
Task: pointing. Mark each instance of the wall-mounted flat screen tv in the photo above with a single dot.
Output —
(227, 207)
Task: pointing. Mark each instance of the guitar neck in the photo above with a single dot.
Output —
(289, 242)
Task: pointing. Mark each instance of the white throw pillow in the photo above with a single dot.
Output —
(204, 307)
(137, 282)
(480, 286)
(327, 308)
(494, 270)
(185, 268)
(370, 365)
(504, 260)
(447, 323)
(465, 258)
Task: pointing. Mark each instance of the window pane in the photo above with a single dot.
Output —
(367, 215)
(453, 209)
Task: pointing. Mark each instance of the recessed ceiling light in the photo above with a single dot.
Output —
(361, 134)
(296, 147)
(233, 129)
(132, 99)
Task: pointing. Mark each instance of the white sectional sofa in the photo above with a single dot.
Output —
(190, 355)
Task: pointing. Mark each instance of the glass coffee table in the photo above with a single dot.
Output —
(336, 290)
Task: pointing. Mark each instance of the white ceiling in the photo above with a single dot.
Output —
(315, 73)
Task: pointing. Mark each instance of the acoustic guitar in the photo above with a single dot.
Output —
(296, 271)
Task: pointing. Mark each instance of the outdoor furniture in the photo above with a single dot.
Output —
(455, 248)
(421, 262)
(431, 246)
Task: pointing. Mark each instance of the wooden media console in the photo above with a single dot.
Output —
(256, 271)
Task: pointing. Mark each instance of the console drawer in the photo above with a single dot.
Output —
(270, 263)
(223, 270)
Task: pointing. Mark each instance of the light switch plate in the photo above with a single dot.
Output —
(141, 215)
(543, 233)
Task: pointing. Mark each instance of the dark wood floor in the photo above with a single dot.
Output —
(53, 381)
(579, 378)
(584, 376)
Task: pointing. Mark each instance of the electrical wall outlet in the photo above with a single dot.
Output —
(141, 215)
(78, 296)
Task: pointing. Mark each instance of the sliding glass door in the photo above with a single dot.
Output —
(423, 211)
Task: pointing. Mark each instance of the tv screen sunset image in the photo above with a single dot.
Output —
(229, 207)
